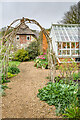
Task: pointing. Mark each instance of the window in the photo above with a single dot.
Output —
(28, 37)
(77, 44)
(73, 45)
(64, 52)
(77, 52)
(17, 37)
(59, 52)
(64, 44)
(77, 59)
(72, 52)
(68, 45)
(59, 45)
(68, 52)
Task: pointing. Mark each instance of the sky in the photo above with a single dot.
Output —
(45, 13)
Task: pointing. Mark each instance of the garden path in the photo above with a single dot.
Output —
(21, 99)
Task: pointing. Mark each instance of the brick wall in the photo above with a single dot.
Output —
(45, 44)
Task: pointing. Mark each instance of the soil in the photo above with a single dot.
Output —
(21, 99)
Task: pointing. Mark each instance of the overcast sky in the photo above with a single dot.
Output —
(45, 13)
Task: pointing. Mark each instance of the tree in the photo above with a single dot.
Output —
(73, 15)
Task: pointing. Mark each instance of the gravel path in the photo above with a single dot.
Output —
(21, 99)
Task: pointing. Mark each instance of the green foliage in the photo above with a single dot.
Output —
(72, 111)
(59, 94)
(76, 76)
(3, 31)
(72, 16)
(66, 69)
(14, 63)
(33, 50)
(3, 79)
(9, 75)
(41, 61)
(13, 69)
(21, 55)
(2, 88)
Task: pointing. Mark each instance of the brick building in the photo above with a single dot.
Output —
(24, 36)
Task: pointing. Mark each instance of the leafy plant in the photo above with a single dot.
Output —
(21, 55)
(76, 76)
(33, 50)
(67, 70)
(14, 63)
(41, 61)
(3, 79)
(59, 94)
(13, 69)
(72, 112)
(2, 88)
(10, 75)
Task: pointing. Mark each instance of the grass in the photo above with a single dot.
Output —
(14, 63)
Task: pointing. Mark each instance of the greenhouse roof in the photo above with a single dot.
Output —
(65, 32)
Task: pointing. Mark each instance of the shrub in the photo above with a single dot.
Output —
(21, 55)
(33, 50)
(9, 75)
(59, 94)
(3, 79)
(76, 76)
(13, 69)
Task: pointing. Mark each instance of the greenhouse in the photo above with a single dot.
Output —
(66, 41)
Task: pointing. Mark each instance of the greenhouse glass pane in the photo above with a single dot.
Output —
(64, 45)
(73, 45)
(64, 52)
(77, 44)
(59, 45)
(68, 45)
(72, 52)
(77, 52)
(68, 52)
(59, 52)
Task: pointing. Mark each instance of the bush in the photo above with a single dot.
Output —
(33, 50)
(3, 79)
(76, 76)
(13, 69)
(21, 55)
(9, 75)
(59, 94)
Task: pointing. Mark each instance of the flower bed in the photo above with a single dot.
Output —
(41, 61)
